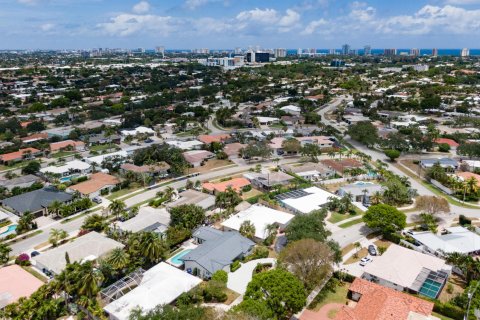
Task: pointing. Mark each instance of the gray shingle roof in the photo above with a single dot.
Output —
(219, 252)
(36, 200)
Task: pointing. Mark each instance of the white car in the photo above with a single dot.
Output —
(365, 260)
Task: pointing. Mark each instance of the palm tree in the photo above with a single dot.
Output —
(57, 235)
(89, 280)
(270, 229)
(472, 185)
(357, 246)
(55, 207)
(116, 207)
(376, 198)
(247, 229)
(152, 247)
(169, 192)
(118, 259)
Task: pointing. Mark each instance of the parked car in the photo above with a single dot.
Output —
(97, 200)
(372, 250)
(365, 260)
(34, 254)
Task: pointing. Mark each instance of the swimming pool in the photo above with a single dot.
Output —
(176, 259)
(69, 178)
(11, 228)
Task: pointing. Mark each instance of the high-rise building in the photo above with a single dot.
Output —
(415, 52)
(367, 50)
(390, 52)
(258, 57)
(312, 51)
(160, 50)
(280, 53)
(346, 49)
(238, 50)
(465, 52)
(299, 51)
(332, 51)
(434, 52)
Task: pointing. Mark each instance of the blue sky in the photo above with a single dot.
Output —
(74, 24)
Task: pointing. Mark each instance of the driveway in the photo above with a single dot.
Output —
(238, 280)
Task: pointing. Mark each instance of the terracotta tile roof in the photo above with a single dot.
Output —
(341, 165)
(24, 124)
(237, 184)
(63, 144)
(17, 283)
(381, 303)
(468, 175)
(450, 142)
(207, 139)
(233, 148)
(97, 182)
(35, 137)
(17, 155)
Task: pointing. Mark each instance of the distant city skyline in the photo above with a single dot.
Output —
(189, 24)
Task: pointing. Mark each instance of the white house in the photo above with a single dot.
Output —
(134, 132)
(69, 170)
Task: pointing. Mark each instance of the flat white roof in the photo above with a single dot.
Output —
(72, 165)
(185, 145)
(160, 285)
(401, 266)
(313, 201)
(136, 131)
(260, 217)
(458, 239)
(99, 159)
(93, 244)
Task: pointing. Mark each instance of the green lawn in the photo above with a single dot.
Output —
(102, 147)
(62, 154)
(350, 223)
(339, 295)
(442, 317)
(337, 217)
(120, 193)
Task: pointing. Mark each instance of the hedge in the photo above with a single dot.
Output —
(448, 310)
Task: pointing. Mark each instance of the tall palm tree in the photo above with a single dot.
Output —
(56, 235)
(90, 280)
(118, 259)
(169, 192)
(116, 207)
(152, 247)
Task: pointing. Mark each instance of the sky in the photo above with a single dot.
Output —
(225, 24)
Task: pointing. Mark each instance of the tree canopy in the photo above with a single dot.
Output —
(364, 132)
(385, 217)
(188, 216)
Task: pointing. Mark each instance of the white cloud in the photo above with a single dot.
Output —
(266, 16)
(141, 7)
(462, 2)
(193, 4)
(314, 27)
(128, 24)
(258, 20)
(47, 27)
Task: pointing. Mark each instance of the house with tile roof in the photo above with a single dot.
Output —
(236, 184)
(97, 184)
(67, 145)
(22, 154)
(207, 139)
(375, 302)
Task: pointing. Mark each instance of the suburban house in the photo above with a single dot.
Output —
(67, 145)
(292, 109)
(323, 142)
(267, 181)
(190, 196)
(98, 160)
(464, 176)
(261, 217)
(186, 145)
(16, 283)
(90, 246)
(138, 130)
(374, 302)
(68, 171)
(147, 219)
(159, 169)
(360, 191)
(20, 182)
(236, 184)
(341, 165)
(305, 200)
(159, 285)
(36, 202)
(450, 142)
(196, 158)
(216, 251)
(22, 154)
(267, 121)
(456, 239)
(103, 139)
(443, 162)
(98, 184)
(309, 170)
(34, 137)
(408, 270)
(207, 139)
(233, 149)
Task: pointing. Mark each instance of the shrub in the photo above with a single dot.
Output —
(214, 292)
(448, 310)
(393, 237)
(259, 252)
(464, 220)
(247, 188)
(23, 260)
(449, 288)
(235, 266)
(220, 276)
(443, 147)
